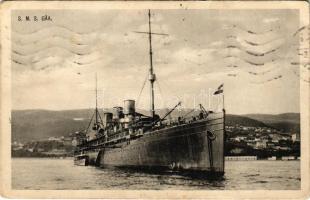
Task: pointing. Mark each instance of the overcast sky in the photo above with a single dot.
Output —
(54, 63)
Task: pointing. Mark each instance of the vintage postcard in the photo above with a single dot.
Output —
(155, 99)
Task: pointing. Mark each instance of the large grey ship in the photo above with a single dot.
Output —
(126, 138)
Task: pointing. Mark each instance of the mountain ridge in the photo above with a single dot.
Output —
(39, 124)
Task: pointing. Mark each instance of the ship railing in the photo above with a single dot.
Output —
(193, 118)
(180, 123)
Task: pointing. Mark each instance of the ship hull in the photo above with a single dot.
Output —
(188, 147)
(89, 158)
(80, 162)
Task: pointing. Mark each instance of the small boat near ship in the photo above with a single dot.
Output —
(126, 138)
(81, 160)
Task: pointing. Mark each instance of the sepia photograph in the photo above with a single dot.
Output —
(166, 96)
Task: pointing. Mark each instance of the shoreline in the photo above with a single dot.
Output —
(226, 160)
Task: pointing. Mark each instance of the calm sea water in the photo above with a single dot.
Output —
(61, 174)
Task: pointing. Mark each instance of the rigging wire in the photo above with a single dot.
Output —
(90, 121)
(138, 99)
(171, 92)
(179, 99)
(100, 118)
(162, 96)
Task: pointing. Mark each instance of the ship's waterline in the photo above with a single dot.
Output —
(181, 147)
(193, 146)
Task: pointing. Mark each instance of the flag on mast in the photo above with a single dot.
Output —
(219, 90)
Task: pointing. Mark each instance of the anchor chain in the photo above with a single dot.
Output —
(211, 137)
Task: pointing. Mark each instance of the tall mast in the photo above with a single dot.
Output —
(152, 76)
(96, 109)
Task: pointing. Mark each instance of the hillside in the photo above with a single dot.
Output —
(232, 120)
(285, 117)
(287, 122)
(30, 125)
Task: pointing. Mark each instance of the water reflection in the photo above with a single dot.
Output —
(62, 174)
